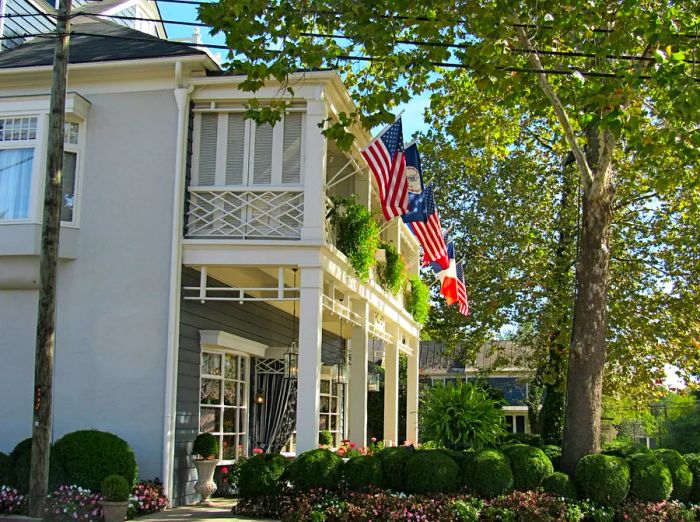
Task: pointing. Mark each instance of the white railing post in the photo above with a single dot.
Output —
(412, 383)
(391, 389)
(314, 172)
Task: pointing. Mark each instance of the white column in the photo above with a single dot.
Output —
(314, 172)
(357, 407)
(309, 375)
(412, 392)
(391, 389)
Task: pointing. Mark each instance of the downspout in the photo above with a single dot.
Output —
(181, 93)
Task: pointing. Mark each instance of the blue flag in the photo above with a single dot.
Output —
(416, 199)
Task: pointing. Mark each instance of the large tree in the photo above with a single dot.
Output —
(616, 76)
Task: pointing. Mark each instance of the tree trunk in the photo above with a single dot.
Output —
(588, 346)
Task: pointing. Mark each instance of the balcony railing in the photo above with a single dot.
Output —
(245, 212)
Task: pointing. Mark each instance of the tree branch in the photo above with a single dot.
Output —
(629, 202)
(557, 105)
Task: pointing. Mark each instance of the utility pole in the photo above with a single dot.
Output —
(50, 228)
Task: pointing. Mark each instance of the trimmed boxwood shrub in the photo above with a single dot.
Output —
(462, 458)
(530, 439)
(605, 479)
(693, 461)
(206, 446)
(529, 466)
(431, 471)
(7, 470)
(624, 448)
(86, 457)
(559, 484)
(115, 488)
(554, 454)
(393, 461)
(650, 479)
(680, 473)
(363, 472)
(261, 474)
(489, 474)
(319, 468)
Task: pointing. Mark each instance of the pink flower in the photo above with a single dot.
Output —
(224, 470)
(258, 451)
(373, 439)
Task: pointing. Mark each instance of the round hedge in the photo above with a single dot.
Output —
(393, 461)
(680, 473)
(650, 479)
(605, 479)
(206, 446)
(431, 471)
(624, 448)
(489, 474)
(554, 454)
(7, 470)
(86, 457)
(115, 488)
(530, 439)
(693, 461)
(529, 466)
(462, 458)
(363, 472)
(559, 484)
(319, 468)
(261, 474)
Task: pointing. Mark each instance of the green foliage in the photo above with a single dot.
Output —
(624, 448)
(362, 473)
(554, 454)
(431, 471)
(489, 474)
(319, 468)
(325, 438)
(392, 274)
(529, 465)
(86, 457)
(693, 460)
(206, 446)
(680, 430)
(531, 439)
(466, 511)
(115, 488)
(417, 299)
(559, 484)
(680, 473)
(604, 479)
(261, 474)
(461, 416)
(393, 461)
(21, 460)
(357, 235)
(7, 470)
(650, 479)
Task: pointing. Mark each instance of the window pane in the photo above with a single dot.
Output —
(520, 424)
(208, 419)
(230, 420)
(70, 160)
(509, 423)
(230, 393)
(15, 182)
(71, 133)
(210, 392)
(325, 404)
(229, 445)
(325, 386)
(211, 363)
(18, 129)
(231, 368)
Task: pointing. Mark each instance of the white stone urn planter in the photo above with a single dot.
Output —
(114, 511)
(205, 484)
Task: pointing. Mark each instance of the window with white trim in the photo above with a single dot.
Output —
(223, 401)
(233, 150)
(515, 423)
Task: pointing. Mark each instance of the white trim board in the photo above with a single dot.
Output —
(221, 339)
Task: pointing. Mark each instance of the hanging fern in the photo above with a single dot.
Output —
(357, 235)
(392, 275)
(417, 299)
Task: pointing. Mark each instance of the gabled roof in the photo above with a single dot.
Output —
(96, 41)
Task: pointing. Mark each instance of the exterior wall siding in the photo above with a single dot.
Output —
(255, 321)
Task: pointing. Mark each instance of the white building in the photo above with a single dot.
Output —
(195, 247)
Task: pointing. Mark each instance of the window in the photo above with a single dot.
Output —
(332, 402)
(515, 423)
(17, 142)
(223, 401)
(232, 150)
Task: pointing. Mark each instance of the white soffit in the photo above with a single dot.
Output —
(220, 339)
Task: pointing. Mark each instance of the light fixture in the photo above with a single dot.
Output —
(259, 397)
(342, 365)
(291, 357)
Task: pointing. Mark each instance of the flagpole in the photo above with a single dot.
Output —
(410, 144)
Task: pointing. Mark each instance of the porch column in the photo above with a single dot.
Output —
(391, 389)
(309, 375)
(412, 392)
(314, 177)
(357, 407)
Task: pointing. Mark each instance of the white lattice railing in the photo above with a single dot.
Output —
(245, 213)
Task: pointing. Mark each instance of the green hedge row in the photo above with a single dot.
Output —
(83, 458)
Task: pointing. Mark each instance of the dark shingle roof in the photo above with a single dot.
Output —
(107, 42)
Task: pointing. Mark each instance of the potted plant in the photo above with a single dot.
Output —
(115, 493)
(207, 447)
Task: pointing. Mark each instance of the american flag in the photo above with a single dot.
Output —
(386, 158)
(430, 234)
(462, 291)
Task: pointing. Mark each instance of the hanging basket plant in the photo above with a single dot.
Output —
(357, 234)
(417, 299)
(392, 273)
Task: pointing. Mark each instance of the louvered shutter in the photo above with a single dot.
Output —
(207, 149)
(262, 156)
(235, 149)
(291, 154)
